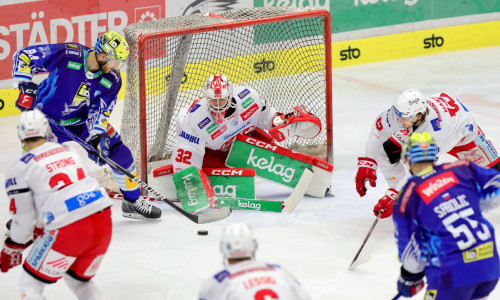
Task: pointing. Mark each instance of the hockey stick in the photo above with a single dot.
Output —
(351, 267)
(200, 219)
(397, 296)
(233, 203)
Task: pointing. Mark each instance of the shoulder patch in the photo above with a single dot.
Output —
(221, 275)
(73, 47)
(25, 159)
(244, 93)
(195, 107)
(436, 125)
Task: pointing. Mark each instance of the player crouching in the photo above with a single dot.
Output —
(207, 129)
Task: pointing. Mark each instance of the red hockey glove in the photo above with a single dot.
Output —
(385, 204)
(299, 123)
(11, 254)
(367, 171)
(410, 284)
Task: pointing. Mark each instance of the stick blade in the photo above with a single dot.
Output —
(213, 216)
(361, 260)
(299, 191)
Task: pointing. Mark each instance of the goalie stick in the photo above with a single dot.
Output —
(199, 219)
(352, 266)
(288, 204)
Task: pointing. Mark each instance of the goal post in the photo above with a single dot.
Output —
(283, 53)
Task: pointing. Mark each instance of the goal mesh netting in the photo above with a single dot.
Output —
(283, 53)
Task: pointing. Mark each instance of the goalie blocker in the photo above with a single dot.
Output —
(279, 164)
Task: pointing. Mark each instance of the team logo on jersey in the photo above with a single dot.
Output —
(243, 93)
(190, 138)
(83, 199)
(81, 99)
(73, 46)
(434, 186)
(25, 159)
(204, 122)
(74, 65)
(247, 102)
(436, 125)
(249, 112)
(470, 127)
(221, 275)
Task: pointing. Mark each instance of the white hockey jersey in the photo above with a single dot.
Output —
(50, 187)
(252, 280)
(196, 128)
(448, 121)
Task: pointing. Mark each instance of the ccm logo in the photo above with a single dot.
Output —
(433, 41)
(227, 172)
(260, 144)
(350, 53)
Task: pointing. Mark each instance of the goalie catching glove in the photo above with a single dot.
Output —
(299, 123)
(28, 92)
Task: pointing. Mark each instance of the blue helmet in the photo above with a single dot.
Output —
(420, 147)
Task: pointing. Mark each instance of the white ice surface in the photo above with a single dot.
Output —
(317, 241)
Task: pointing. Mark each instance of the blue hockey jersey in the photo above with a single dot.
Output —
(71, 95)
(440, 227)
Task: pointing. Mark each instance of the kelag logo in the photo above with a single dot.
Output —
(350, 53)
(264, 66)
(433, 41)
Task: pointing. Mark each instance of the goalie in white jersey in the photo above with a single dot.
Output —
(52, 194)
(206, 129)
(449, 122)
(244, 278)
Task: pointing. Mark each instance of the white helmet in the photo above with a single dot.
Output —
(218, 86)
(33, 123)
(409, 104)
(237, 242)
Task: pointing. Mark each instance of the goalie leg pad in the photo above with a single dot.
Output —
(193, 189)
(232, 183)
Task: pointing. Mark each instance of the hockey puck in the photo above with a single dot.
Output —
(202, 232)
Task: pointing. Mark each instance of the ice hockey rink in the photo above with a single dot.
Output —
(318, 240)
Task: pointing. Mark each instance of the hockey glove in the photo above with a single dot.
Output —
(299, 123)
(410, 284)
(27, 95)
(385, 204)
(367, 171)
(11, 255)
(100, 142)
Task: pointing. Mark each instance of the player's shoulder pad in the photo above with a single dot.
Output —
(219, 277)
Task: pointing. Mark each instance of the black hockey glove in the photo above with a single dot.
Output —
(100, 142)
(410, 284)
(27, 95)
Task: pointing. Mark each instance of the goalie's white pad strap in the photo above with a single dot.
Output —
(161, 180)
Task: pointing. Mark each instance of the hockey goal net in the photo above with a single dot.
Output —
(283, 53)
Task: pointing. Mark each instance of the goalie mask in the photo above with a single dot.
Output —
(218, 91)
(115, 46)
(237, 242)
(33, 123)
(409, 104)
